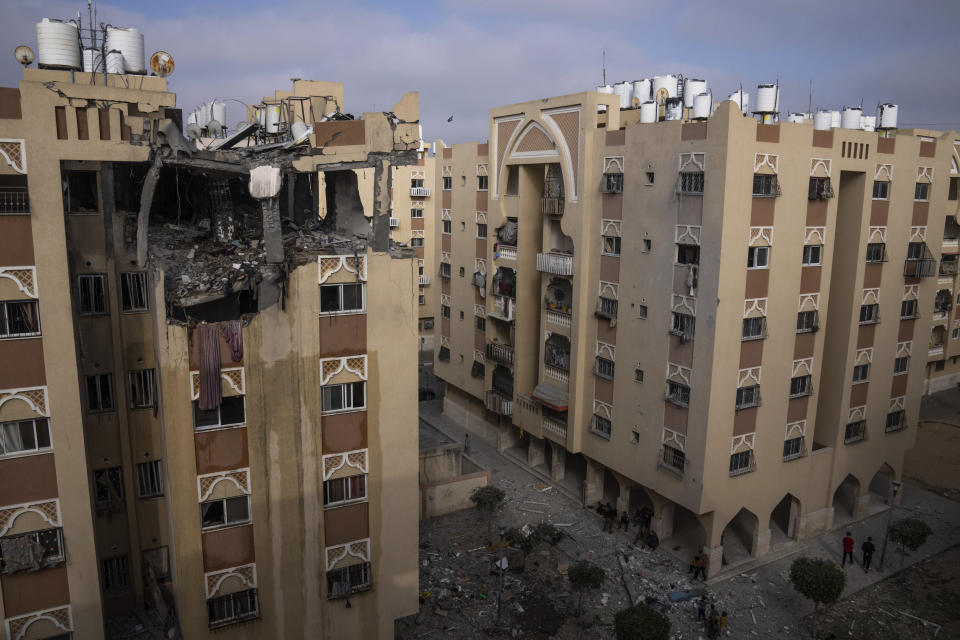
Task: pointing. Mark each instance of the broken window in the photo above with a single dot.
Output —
(149, 480)
(115, 574)
(349, 396)
(881, 190)
(800, 386)
(861, 372)
(674, 458)
(416, 183)
(342, 490)
(854, 431)
(342, 298)
(93, 293)
(31, 551)
(447, 226)
(754, 328)
(900, 365)
(896, 421)
(758, 257)
(416, 213)
(481, 231)
(231, 412)
(416, 242)
(159, 560)
(741, 463)
(346, 580)
(224, 511)
(232, 607)
(793, 448)
(100, 393)
(80, 192)
(133, 285)
(19, 318)
(447, 183)
(765, 185)
(24, 436)
(613, 183)
(688, 254)
(819, 189)
(108, 490)
(922, 191)
(142, 388)
(611, 246)
(869, 313)
(876, 252)
(908, 309)
(477, 370)
(812, 254)
(678, 394)
(683, 325)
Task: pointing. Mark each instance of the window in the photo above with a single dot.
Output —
(896, 421)
(416, 213)
(149, 480)
(765, 185)
(861, 372)
(416, 183)
(876, 252)
(678, 394)
(638, 374)
(754, 328)
(447, 183)
(691, 182)
(634, 437)
(605, 368)
(650, 177)
(481, 230)
(674, 458)
(939, 365)
(159, 560)
(349, 396)
(921, 191)
(881, 190)
(461, 315)
(346, 580)
(900, 365)
(954, 184)
(231, 412)
(24, 436)
(793, 448)
(607, 307)
(444, 311)
(342, 490)
(647, 245)
(869, 313)
(688, 254)
(133, 290)
(812, 254)
(807, 321)
(820, 189)
(444, 354)
(748, 397)
(115, 574)
(80, 193)
(463, 272)
(480, 323)
(342, 298)
(478, 370)
(642, 312)
(741, 463)
(31, 551)
(916, 250)
(758, 257)
(108, 490)
(482, 182)
(422, 299)
(224, 511)
(908, 309)
(100, 393)
(232, 607)
(800, 386)
(683, 325)
(601, 426)
(613, 183)
(447, 226)
(19, 318)
(142, 385)
(444, 269)
(611, 246)
(416, 242)
(93, 297)
(855, 431)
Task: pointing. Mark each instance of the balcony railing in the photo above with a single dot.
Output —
(424, 280)
(555, 426)
(14, 200)
(420, 192)
(559, 264)
(498, 403)
(557, 374)
(551, 206)
(921, 263)
(507, 252)
(935, 350)
(503, 308)
(394, 223)
(558, 318)
(500, 353)
(948, 268)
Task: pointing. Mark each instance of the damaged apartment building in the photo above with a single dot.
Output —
(208, 349)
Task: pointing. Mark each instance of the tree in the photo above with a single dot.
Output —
(585, 575)
(640, 622)
(819, 580)
(909, 533)
(488, 500)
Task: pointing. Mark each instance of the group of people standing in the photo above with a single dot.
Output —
(716, 623)
(867, 549)
(646, 537)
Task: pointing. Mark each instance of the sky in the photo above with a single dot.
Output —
(468, 57)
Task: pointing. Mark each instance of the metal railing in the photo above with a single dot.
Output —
(394, 223)
(424, 280)
(558, 318)
(500, 353)
(555, 427)
(14, 200)
(498, 403)
(507, 252)
(557, 374)
(420, 192)
(551, 206)
(559, 264)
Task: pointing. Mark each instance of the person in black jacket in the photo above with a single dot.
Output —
(867, 548)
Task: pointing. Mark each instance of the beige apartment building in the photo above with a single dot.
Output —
(208, 383)
(724, 321)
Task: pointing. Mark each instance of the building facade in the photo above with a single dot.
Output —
(204, 409)
(723, 321)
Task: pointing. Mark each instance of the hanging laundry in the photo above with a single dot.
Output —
(232, 332)
(208, 349)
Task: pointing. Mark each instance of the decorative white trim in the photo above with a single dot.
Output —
(605, 350)
(213, 580)
(825, 163)
(755, 307)
(518, 139)
(478, 356)
(239, 477)
(911, 292)
(796, 429)
(24, 277)
(561, 140)
(445, 256)
(748, 377)
(61, 616)
(445, 341)
(815, 235)
(445, 214)
(918, 234)
(682, 304)
(329, 367)
(333, 462)
(870, 296)
(447, 171)
(688, 160)
(603, 409)
(416, 233)
(904, 349)
(857, 413)
(419, 173)
(896, 404)
(761, 236)
(863, 356)
(329, 265)
(741, 443)
(762, 160)
(678, 372)
(478, 310)
(613, 164)
(7, 147)
(358, 549)
(802, 367)
(481, 217)
(674, 439)
(925, 174)
(610, 228)
(482, 169)
(688, 234)
(612, 289)
(445, 299)
(883, 171)
(811, 300)
(877, 234)
(49, 510)
(236, 378)
(480, 264)
(35, 397)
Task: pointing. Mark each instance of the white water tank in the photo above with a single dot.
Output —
(741, 99)
(648, 111)
(624, 90)
(702, 105)
(850, 117)
(768, 98)
(823, 120)
(219, 111)
(59, 44)
(868, 123)
(673, 109)
(888, 116)
(796, 118)
(114, 61)
(692, 87)
(272, 118)
(664, 87)
(835, 119)
(641, 91)
(606, 89)
(92, 61)
(192, 118)
(261, 116)
(129, 42)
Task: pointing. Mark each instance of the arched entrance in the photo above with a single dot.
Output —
(739, 537)
(611, 488)
(639, 498)
(681, 531)
(784, 521)
(845, 501)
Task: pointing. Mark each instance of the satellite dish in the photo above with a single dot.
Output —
(23, 54)
(214, 126)
(193, 131)
(161, 63)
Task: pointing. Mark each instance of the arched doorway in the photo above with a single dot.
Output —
(611, 488)
(639, 498)
(784, 521)
(845, 501)
(881, 488)
(739, 537)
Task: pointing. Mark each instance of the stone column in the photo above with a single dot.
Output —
(761, 543)
(662, 521)
(558, 460)
(593, 483)
(536, 451)
(265, 185)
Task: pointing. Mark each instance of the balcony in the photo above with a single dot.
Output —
(559, 264)
(424, 280)
(394, 223)
(500, 353)
(506, 252)
(498, 403)
(420, 192)
(948, 268)
(559, 318)
(555, 427)
(14, 200)
(920, 262)
(935, 350)
(551, 206)
(503, 309)
(556, 373)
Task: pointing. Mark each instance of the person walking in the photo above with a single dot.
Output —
(713, 623)
(702, 563)
(702, 609)
(609, 515)
(466, 443)
(847, 550)
(624, 522)
(867, 548)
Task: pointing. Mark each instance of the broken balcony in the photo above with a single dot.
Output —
(948, 266)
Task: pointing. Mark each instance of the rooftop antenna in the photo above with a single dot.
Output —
(604, 67)
(810, 97)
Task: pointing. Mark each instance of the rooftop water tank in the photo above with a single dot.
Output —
(272, 118)
(607, 89)
(664, 87)
(741, 99)
(624, 90)
(835, 119)
(702, 105)
(219, 111)
(868, 123)
(648, 111)
(796, 118)
(692, 87)
(129, 42)
(673, 109)
(823, 120)
(641, 91)
(114, 61)
(261, 116)
(59, 44)
(768, 98)
(92, 61)
(850, 117)
(888, 116)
